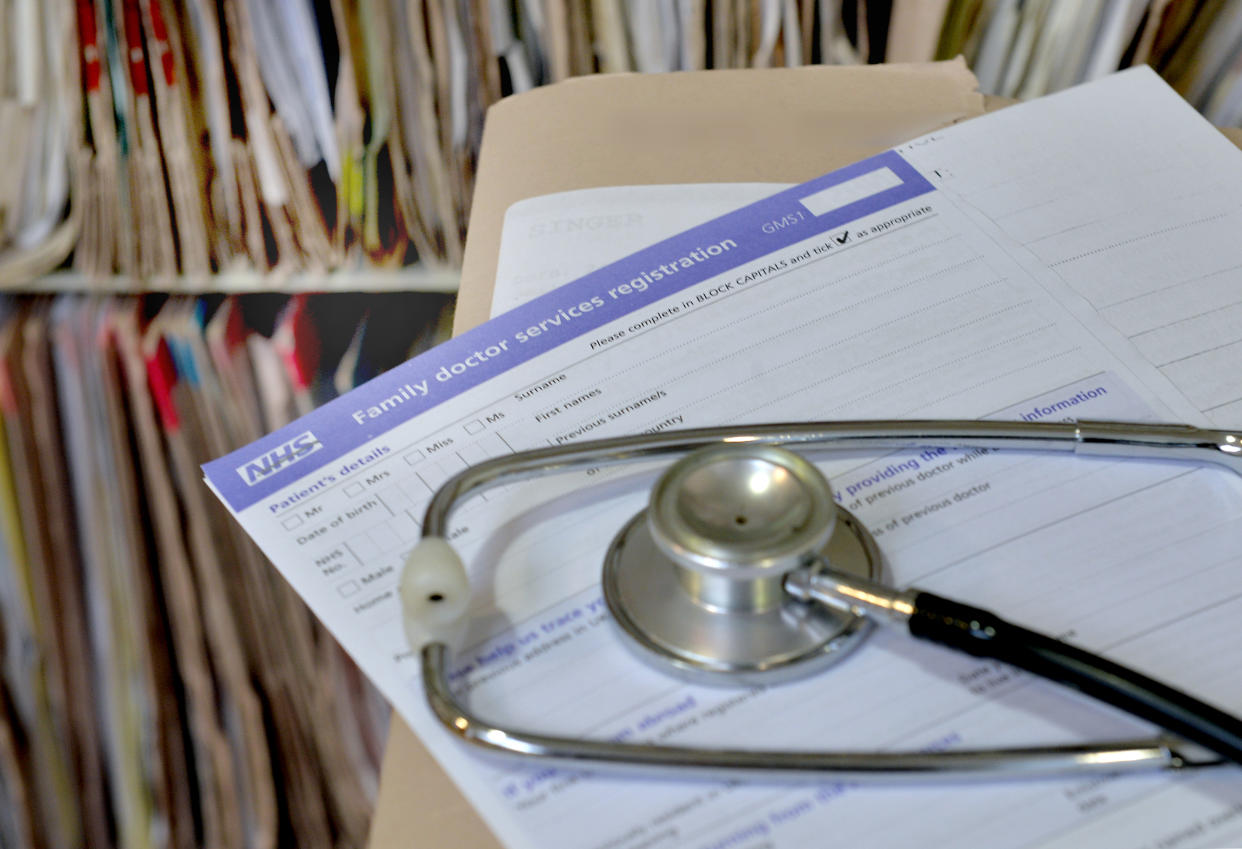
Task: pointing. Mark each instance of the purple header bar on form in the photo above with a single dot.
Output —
(251, 474)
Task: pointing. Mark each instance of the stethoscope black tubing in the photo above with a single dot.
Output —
(984, 634)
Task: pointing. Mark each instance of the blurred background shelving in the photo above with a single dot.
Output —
(217, 214)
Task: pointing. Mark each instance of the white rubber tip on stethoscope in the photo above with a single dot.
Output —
(435, 594)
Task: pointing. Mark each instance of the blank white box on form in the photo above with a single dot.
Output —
(363, 547)
(474, 427)
(434, 474)
(396, 498)
(292, 522)
(348, 588)
(477, 452)
(354, 489)
(843, 194)
(385, 537)
(405, 525)
(414, 456)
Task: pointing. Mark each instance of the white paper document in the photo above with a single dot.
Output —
(550, 240)
(1060, 259)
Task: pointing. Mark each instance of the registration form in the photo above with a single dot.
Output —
(900, 286)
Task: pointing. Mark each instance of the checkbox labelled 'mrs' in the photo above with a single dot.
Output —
(354, 489)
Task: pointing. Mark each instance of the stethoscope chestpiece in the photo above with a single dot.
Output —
(695, 581)
(743, 570)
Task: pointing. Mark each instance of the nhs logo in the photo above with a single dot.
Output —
(280, 457)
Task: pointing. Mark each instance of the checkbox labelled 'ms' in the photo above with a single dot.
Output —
(292, 522)
(354, 489)
(348, 588)
(474, 427)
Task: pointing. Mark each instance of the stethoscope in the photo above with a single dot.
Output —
(743, 569)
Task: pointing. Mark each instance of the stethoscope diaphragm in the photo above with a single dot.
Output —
(695, 580)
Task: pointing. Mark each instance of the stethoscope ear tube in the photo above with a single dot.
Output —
(984, 634)
(981, 633)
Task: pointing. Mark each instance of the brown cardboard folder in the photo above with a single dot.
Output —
(782, 125)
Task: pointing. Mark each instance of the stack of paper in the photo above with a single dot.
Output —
(147, 699)
(40, 122)
(1061, 259)
(173, 143)
(1025, 49)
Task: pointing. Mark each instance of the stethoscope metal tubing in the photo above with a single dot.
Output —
(767, 765)
(1092, 438)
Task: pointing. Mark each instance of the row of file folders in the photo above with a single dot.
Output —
(161, 685)
(165, 144)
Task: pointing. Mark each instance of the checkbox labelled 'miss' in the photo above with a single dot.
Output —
(348, 588)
